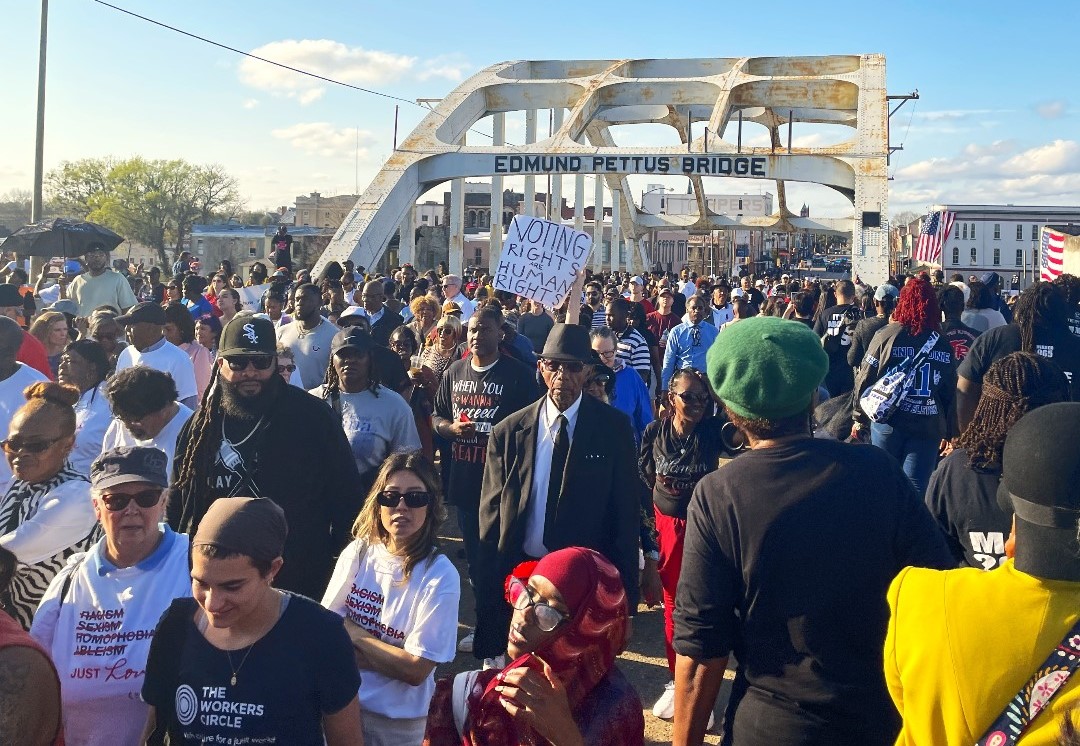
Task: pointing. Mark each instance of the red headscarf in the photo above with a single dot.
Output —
(580, 657)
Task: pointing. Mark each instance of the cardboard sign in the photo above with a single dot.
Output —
(540, 260)
(251, 295)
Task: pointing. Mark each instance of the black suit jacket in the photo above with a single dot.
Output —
(387, 323)
(598, 507)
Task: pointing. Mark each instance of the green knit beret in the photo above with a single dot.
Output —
(766, 367)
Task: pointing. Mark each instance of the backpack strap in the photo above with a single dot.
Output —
(1048, 679)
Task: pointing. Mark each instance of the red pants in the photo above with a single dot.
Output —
(670, 535)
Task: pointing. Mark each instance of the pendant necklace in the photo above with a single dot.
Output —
(232, 681)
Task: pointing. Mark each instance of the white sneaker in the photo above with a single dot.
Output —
(465, 645)
(665, 706)
(498, 661)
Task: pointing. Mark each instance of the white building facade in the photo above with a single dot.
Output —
(999, 238)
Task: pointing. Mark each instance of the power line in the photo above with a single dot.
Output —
(282, 65)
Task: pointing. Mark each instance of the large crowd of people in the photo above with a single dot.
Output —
(220, 521)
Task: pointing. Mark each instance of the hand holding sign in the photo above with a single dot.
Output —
(541, 259)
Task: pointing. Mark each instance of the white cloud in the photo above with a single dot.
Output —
(250, 103)
(1051, 109)
(993, 173)
(325, 140)
(954, 115)
(367, 68)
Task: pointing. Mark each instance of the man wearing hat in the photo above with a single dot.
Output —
(992, 280)
(99, 285)
(789, 551)
(559, 473)
(885, 297)
(256, 435)
(30, 351)
(961, 644)
(145, 326)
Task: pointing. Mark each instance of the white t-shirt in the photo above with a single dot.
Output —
(117, 435)
(11, 398)
(168, 358)
(92, 418)
(311, 350)
(420, 617)
(99, 636)
(376, 425)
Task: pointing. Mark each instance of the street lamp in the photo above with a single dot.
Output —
(652, 231)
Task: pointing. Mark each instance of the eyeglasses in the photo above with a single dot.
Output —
(13, 445)
(287, 368)
(144, 499)
(238, 363)
(416, 499)
(567, 366)
(691, 398)
(520, 597)
(606, 355)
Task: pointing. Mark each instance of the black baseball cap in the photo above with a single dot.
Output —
(248, 334)
(129, 464)
(148, 312)
(357, 339)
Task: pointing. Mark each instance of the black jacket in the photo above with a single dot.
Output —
(384, 327)
(598, 507)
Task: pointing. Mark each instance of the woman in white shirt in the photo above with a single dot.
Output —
(98, 616)
(45, 514)
(399, 595)
(85, 366)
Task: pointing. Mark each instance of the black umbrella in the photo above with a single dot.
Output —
(60, 237)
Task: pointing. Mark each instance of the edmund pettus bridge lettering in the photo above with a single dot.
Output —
(698, 165)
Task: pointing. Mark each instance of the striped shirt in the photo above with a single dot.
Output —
(632, 350)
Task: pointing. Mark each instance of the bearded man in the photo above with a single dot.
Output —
(256, 436)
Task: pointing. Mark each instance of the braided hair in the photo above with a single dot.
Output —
(1012, 387)
(1041, 306)
(204, 422)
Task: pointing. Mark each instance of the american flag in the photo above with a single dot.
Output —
(1052, 254)
(935, 229)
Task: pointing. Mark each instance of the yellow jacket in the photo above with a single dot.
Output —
(962, 642)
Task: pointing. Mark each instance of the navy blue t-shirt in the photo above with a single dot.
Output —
(300, 670)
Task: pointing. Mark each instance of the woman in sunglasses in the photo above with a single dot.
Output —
(447, 347)
(98, 615)
(45, 515)
(562, 686)
(676, 452)
(399, 596)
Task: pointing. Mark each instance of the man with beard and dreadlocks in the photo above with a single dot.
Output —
(255, 435)
(1040, 326)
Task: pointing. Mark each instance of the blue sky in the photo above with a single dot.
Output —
(997, 121)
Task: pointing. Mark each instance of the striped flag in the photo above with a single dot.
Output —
(935, 229)
(1051, 254)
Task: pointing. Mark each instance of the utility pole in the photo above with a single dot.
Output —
(39, 143)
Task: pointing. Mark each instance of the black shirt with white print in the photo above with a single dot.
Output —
(1057, 345)
(672, 466)
(963, 499)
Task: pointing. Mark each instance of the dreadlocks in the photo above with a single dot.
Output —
(1041, 306)
(1012, 387)
(204, 423)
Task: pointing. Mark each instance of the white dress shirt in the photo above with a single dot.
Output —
(546, 430)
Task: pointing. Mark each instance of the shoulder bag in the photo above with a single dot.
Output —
(881, 400)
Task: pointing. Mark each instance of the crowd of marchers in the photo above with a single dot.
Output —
(222, 497)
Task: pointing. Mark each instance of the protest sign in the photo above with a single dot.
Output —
(251, 296)
(540, 259)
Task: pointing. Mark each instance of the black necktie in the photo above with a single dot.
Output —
(555, 477)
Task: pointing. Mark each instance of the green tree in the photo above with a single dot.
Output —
(154, 202)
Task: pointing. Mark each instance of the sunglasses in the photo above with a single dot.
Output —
(144, 499)
(520, 597)
(238, 363)
(12, 445)
(691, 398)
(416, 499)
(572, 366)
(444, 330)
(287, 368)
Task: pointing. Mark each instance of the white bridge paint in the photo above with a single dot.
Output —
(589, 96)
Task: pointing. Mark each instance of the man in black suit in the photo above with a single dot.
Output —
(559, 473)
(382, 319)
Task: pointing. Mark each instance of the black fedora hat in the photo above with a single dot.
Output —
(1040, 486)
(568, 343)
